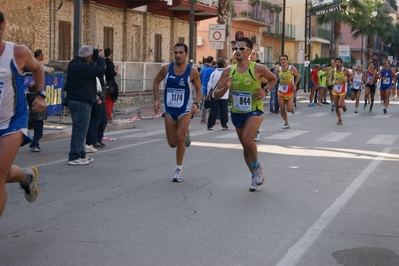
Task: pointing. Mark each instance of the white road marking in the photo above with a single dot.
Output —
(287, 134)
(335, 136)
(382, 139)
(297, 251)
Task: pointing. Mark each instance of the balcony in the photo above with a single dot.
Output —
(252, 13)
(203, 9)
(391, 5)
(277, 30)
(321, 33)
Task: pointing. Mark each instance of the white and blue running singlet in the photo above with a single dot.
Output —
(13, 106)
(387, 82)
(177, 96)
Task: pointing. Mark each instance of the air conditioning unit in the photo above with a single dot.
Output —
(200, 41)
(255, 39)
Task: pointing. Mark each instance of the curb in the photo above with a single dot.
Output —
(66, 132)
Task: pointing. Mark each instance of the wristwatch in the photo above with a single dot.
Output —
(41, 93)
(196, 104)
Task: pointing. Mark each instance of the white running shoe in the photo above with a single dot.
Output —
(257, 179)
(257, 137)
(177, 176)
(89, 159)
(286, 126)
(79, 161)
(90, 149)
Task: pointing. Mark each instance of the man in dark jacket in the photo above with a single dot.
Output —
(81, 95)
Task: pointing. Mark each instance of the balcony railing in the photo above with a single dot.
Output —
(212, 3)
(252, 11)
(321, 33)
(392, 4)
(277, 30)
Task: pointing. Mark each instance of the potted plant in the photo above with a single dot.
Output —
(277, 8)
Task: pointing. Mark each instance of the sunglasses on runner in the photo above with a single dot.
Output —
(241, 48)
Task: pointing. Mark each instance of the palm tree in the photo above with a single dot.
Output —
(371, 20)
(338, 18)
(393, 40)
(223, 18)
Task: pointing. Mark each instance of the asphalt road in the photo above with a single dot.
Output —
(330, 197)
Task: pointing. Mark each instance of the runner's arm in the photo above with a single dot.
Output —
(224, 84)
(155, 86)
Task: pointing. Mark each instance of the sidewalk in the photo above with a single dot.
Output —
(59, 127)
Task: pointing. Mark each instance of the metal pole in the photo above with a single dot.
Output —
(283, 31)
(191, 42)
(332, 36)
(306, 45)
(361, 49)
(77, 27)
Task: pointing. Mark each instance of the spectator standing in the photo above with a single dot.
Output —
(205, 74)
(220, 105)
(322, 74)
(113, 90)
(81, 95)
(13, 115)
(274, 107)
(36, 119)
(40, 57)
(313, 84)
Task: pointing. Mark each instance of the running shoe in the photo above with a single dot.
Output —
(355, 110)
(210, 128)
(187, 139)
(31, 190)
(89, 159)
(254, 187)
(286, 126)
(332, 107)
(385, 111)
(371, 110)
(339, 122)
(311, 105)
(258, 176)
(257, 137)
(79, 161)
(90, 149)
(364, 107)
(34, 149)
(344, 108)
(177, 176)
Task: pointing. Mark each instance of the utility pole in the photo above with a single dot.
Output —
(77, 27)
(191, 41)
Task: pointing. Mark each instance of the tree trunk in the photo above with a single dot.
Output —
(337, 34)
(370, 48)
(223, 19)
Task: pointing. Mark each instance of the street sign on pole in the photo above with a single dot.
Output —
(217, 45)
(217, 33)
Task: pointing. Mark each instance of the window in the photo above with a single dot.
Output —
(64, 40)
(158, 48)
(108, 38)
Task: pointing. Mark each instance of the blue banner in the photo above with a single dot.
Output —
(54, 86)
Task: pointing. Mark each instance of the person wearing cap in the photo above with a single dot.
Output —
(322, 85)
